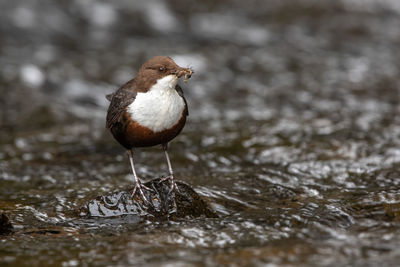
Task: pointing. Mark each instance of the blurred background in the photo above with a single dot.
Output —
(293, 134)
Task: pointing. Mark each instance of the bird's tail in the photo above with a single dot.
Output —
(109, 97)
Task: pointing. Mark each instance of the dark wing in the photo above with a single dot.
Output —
(180, 92)
(119, 101)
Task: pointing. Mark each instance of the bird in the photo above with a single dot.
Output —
(149, 110)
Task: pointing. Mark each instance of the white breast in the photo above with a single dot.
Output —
(159, 108)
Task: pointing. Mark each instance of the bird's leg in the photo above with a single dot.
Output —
(138, 185)
(171, 172)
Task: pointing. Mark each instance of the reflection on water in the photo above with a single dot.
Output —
(293, 134)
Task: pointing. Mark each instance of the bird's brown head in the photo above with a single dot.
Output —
(157, 68)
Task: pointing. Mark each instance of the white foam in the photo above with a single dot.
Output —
(32, 75)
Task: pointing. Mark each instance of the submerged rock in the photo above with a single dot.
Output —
(165, 203)
(5, 225)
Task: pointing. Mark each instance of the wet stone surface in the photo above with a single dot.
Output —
(164, 203)
(5, 225)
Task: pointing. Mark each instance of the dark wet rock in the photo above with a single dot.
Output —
(184, 202)
(5, 225)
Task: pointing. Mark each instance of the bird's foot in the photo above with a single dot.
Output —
(174, 186)
(147, 188)
(139, 188)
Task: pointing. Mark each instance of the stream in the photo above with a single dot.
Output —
(293, 134)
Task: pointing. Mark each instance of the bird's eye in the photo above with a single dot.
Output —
(161, 68)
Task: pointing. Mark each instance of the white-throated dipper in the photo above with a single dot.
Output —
(149, 110)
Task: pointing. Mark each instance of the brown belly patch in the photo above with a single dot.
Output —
(136, 135)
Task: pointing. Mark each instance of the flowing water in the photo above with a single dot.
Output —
(293, 135)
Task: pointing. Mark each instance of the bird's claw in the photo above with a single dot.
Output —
(174, 186)
(139, 188)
